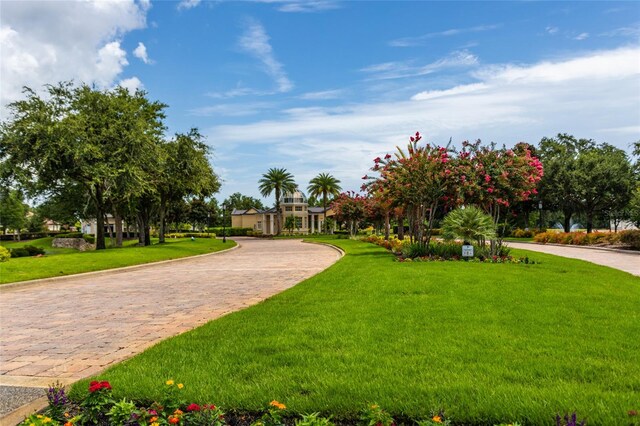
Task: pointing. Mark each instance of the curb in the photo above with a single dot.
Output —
(29, 283)
(338, 249)
(18, 415)
(634, 252)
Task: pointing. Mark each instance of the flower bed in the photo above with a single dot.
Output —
(441, 251)
(628, 238)
(99, 407)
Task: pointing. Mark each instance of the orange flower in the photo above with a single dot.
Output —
(178, 412)
(153, 419)
(278, 405)
(68, 424)
(174, 420)
(437, 419)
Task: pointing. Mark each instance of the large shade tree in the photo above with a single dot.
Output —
(185, 172)
(95, 138)
(277, 181)
(323, 186)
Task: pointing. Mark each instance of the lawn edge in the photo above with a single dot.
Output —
(636, 252)
(29, 283)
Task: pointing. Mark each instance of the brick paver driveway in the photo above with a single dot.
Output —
(76, 327)
(628, 262)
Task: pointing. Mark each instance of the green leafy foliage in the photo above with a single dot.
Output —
(468, 224)
(5, 254)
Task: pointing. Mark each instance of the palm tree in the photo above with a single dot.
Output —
(324, 184)
(277, 180)
(468, 224)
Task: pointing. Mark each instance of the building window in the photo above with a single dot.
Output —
(288, 209)
(259, 226)
(298, 208)
(298, 222)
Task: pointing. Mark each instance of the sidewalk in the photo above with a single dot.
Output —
(624, 261)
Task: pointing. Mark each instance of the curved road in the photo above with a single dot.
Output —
(628, 262)
(74, 328)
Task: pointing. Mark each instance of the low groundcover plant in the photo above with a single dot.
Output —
(98, 407)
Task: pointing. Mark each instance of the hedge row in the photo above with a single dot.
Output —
(630, 238)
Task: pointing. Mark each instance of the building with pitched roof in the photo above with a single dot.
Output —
(308, 220)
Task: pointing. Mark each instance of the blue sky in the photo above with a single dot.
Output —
(325, 86)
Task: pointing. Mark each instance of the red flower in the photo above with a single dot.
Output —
(490, 190)
(377, 160)
(487, 178)
(386, 157)
(193, 407)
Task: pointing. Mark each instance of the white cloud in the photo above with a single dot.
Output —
(393, 70)
(581, 36)
(552, 30)
(131, 84)
(418, 40)
(255, 41)
(188, 4)
(322, 95)
(303, 6)
(233, 110)
(46, 42)
(458, 90)
(140, 52)
(632, 31)
(593, 96)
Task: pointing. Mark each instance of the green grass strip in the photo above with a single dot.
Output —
(59, 262)
(486, 343)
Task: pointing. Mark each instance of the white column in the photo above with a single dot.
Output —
(271, 225)
(313, 224)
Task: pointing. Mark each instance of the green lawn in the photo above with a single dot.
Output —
(57, 262)
(484, 342)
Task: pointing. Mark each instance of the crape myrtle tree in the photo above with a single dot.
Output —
(277, 181)
(350, 209)
(99, 139)
(424, 178)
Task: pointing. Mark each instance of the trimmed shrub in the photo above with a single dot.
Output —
(4, 254)
(33, 250)
(231, 232)
(190, 234)
(91, 239)
(19, 252)
(70, 235)
(631, 238)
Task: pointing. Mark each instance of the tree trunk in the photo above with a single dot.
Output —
(100, 244)
(400, 220)
(567, 220)
(589, 222)
(118, 220)
(163, 224)
(141, 236)
(386, 225)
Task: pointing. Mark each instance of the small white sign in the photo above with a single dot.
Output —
(467, 251)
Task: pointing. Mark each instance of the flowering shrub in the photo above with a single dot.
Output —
(58, 401)
(581, 238)
(524, 233)
(203, 415)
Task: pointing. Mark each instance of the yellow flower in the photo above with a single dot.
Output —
(180, 385)
(437, 419)
(155, 424)
(67, 415)
(170, 382)
(46, 420)
(374, 406)
(39, 416)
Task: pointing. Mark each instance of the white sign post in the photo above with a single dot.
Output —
(467, 251)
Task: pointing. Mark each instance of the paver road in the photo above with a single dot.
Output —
(628, 262)
(76, 327)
